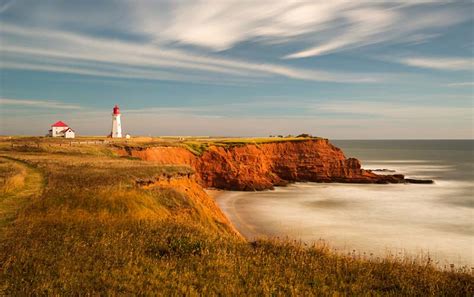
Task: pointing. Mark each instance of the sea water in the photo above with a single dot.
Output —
(414, 220)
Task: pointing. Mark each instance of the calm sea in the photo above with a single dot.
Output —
(416, 220)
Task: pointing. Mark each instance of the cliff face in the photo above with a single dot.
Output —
(262, 166)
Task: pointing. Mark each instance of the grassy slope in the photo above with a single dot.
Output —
(93, 231)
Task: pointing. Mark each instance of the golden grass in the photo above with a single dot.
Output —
(100, 145)
(93, 231)
(21, 184)
(12, 176)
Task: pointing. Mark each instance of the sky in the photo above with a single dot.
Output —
(335, 69)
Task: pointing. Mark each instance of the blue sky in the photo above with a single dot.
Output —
(337, 69)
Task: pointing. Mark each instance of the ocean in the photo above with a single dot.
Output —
(414, 220)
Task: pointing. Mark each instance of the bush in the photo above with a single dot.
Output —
(304, 135)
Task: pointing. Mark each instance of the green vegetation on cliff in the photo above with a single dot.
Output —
(95, 230)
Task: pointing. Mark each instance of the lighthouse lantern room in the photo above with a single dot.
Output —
(116, 123)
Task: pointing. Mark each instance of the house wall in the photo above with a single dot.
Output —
(57, 131)
(70, 134)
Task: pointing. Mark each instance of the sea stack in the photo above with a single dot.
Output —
(116, 123)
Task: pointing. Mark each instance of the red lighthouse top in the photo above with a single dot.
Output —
(116, 110)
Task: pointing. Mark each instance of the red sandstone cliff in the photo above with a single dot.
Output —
(262, 166)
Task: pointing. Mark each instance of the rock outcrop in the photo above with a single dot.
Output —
(262, 166)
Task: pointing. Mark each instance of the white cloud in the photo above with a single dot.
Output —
(394, 110)
(326, 26)
(220, 25)
(365, 25)
(461, 84)
(47, 104)
(216, 25)
(438, 63)
(59, 51)
(322, 26)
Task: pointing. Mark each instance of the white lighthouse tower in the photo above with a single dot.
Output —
(116, 123)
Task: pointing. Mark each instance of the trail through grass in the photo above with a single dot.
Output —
(16, 196)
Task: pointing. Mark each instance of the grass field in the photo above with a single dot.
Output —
(90, 229)
(12, 176)
(89, 144)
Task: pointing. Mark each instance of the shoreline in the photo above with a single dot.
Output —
(215, 193)
(223, 200)
(273, 214)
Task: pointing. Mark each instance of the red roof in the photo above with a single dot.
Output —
(59, 124)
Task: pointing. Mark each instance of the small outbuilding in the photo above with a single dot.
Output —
(69, 133)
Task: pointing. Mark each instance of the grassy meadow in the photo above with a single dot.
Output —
(77, 221)
(12, 176)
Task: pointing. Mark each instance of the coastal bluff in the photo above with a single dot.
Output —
(261, 166)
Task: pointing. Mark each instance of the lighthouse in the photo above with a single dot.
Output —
(116, 123)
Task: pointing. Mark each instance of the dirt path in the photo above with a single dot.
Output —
(12, 202)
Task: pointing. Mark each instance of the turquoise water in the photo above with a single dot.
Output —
(412, 219)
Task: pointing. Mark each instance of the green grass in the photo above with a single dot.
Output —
(195, 147)
(198, 146)
(95, 231)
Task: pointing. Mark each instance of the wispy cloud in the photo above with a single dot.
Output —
(323, 26)
(26, 48)
(6, 5)
(46, 104)
(360, 25)
(219, 25)
(461, 84)
(393, 110)
(438, 63)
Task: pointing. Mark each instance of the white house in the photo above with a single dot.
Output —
(60, 129)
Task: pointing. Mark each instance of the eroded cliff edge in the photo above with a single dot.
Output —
(250, 167)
